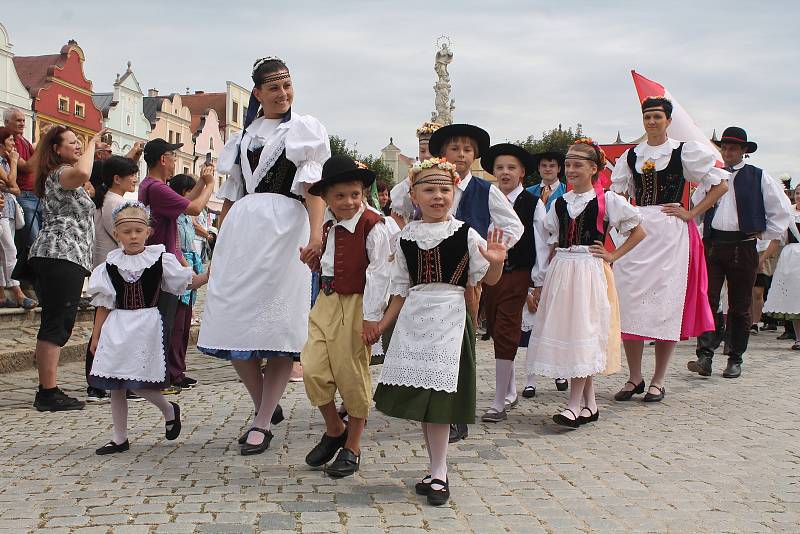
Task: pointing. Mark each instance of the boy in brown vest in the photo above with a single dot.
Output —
(354, 280)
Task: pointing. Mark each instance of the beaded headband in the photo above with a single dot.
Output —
(436, 179)
(133, 205)
(601, 156)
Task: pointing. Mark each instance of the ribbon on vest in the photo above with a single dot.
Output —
(601, 206)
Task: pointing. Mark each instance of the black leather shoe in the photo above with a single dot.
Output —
(324, 451)
(173, 428)
(701, 366)
(626, 394)
(345, 464)
(563, 420)
(655, 397)
(113, 448)
(438, 497)
(422, 487)
(248, 449)
(458, 432)
(592, 417)
(277, 415)
(562, 384)
(733, 370)
(529, 392)
(785, 336)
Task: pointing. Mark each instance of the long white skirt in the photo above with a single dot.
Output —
(571, 334)
(784, 293)
(259, 293)
(651, 279)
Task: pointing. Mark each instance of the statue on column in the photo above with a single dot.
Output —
(444, 104)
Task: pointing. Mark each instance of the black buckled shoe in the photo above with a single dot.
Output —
(173, 428)
(113, 448)
(732, 370)
(422, 487)
(626, 394)
(583, 419)
(701, 366)
(324, 451)
(345, 464)
(438, 497)
(458, 432)
(562, 384)
(249, 450)
(655, 397)
(563, 420)
(529, 392)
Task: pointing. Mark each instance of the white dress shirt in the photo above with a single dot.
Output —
(776, 206)
(501, 211)
(539, 269)
(620, 214)
(377, 287)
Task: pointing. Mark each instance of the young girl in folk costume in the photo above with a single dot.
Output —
(577, 333)
(429, 371)
(127, 341)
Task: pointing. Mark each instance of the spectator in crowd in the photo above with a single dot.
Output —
(383, 197)
(14, 119)
(201, 224)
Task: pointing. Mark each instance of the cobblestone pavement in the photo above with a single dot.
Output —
(716, 456)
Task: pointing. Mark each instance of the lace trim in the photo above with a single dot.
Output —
(422, 369)
(136, 262)
(428, 235)
(273, 157)
(141, 352)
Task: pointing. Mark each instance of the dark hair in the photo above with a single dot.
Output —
(104, 171)
(657, 102)
(5, 133)
(180, 183)
(47, 158)
(457, 138)
(382, 186)
(262, 68)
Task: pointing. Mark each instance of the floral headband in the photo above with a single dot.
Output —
(448, 177)
(134, 205)
(601, 156)
(427, 129)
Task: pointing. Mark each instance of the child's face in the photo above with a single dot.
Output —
(579, 172)
(509, 173)
(344, 199)
(548, 170)
(433, 200)
(460, 152)
(132, 236)
(424, 152)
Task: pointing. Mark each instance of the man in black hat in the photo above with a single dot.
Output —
(550, 164)
(165, 207)
(754, 207)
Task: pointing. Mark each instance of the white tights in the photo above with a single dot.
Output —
(119, 410)
(437, 438)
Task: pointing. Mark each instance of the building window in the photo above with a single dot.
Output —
(63, 104)
(211, 143)
(235, 112)
(169, 136)
(128, 120)
(177, 138)
(186, 170)
(80, 110)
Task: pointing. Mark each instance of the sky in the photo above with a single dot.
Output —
(365, 69)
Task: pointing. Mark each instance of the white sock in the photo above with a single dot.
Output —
(511, 392)
(427, 446)
(276, 376)
(119, 416)
(438, 437)
(155, 397)
(504, 369)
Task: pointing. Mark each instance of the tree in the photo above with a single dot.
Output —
(557, 139)
(375, 163)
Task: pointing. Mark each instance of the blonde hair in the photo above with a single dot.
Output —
(592, 153)
(131, 211)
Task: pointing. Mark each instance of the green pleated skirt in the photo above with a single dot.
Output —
(430, 406)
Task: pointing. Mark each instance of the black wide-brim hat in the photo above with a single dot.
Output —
(549, 154)
(338, 169)
(479, 135)
(734, 134)
(507, 149)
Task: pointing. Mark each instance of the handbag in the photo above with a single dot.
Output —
(19, 218)
(23, 271)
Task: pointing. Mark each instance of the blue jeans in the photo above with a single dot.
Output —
(30, 204)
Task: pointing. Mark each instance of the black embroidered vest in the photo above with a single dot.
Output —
(792, 239)
(665, 186)
(143, 293)
(522, 255)
(447, 262)
(581, 230)
(278, 178)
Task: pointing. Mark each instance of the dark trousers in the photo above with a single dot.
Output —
(735, 262)
(503, 304)
(168, 306)
(179, 343)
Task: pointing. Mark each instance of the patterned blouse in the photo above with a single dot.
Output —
(10, 209)
(68, 225)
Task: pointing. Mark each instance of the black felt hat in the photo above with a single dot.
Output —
(734, 134)
(341, 169)
(549, 154)
(479, 135)
(507, 149)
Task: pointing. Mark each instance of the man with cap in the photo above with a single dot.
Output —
(525, 267)
(475, 201)
(165, 207)
(754, 207)
(550, 164)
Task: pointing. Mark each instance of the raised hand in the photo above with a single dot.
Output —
(496, 247)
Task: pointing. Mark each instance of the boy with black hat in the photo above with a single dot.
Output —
(753, 207)
(475, 201)
(354, 282)
(525, 266)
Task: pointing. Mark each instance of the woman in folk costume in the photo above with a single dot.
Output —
(783, 300)
(577, 333)
(259, 291)
(429, 371)
(127, 340)
(662, 284)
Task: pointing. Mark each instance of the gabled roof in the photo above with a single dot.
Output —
(151, 105)
(34, 70)
(200, 103)
(103, 101)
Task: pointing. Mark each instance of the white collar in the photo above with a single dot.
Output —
(739, 165)
(262, 127)
(135, 262)
(512, 196)
(347, 224)
(586, 196)
(465, 181)
(428, 235)
(654, 152)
